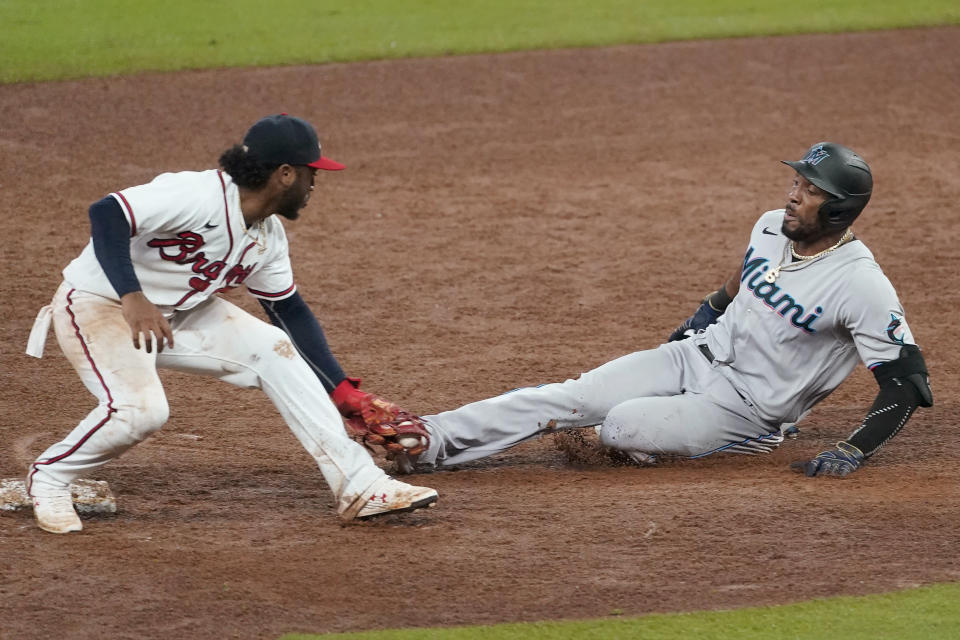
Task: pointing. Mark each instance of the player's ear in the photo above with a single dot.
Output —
(283, 176)
(287, 174)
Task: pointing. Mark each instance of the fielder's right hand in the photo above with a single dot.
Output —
(145, 320)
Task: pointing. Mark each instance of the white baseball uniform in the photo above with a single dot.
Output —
(188, 242)
(779, 348)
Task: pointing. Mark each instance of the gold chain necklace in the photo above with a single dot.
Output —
(843, 239)
(774, 273)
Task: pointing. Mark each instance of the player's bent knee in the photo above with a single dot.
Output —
(622, 429)
(269, 350)
(268, 338)
(645, 425)
(144, 416)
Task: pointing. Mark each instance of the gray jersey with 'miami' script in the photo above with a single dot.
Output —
(786, 344)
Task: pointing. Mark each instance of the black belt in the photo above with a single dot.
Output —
(705, 350)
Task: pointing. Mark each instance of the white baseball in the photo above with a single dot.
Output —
(408, 442)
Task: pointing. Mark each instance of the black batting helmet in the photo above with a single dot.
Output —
(843, 174)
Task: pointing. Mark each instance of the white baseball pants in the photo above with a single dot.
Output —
(216, 339)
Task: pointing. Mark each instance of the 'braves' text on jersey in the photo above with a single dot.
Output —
(189, 241)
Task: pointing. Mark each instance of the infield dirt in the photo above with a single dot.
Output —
(504, 221)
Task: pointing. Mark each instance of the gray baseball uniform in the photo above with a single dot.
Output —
(792, 334)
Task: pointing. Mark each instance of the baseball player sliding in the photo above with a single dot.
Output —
(142, 295)
(805, 303)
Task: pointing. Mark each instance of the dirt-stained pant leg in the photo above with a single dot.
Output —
(96, 340)
(216, 339)
(220, 339)
(675, 375)
(688, 425)
(489, 426)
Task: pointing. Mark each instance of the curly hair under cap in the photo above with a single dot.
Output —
(244, 168)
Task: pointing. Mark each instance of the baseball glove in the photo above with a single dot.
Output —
(378, 422)
(405, 434)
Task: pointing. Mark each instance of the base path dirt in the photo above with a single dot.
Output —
(504, 221)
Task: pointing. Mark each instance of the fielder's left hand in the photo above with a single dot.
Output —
(379, 422)
(369, 408)
(842, 461)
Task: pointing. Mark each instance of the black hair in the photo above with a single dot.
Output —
(244, 168)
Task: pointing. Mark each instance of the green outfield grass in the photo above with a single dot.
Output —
(929, 613)
(54, 39)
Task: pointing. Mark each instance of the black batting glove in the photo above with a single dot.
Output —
(842, 461)
(704, 316)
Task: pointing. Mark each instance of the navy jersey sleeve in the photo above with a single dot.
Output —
(297, 320)
(110, 232)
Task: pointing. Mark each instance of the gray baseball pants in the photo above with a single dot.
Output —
(671, 400)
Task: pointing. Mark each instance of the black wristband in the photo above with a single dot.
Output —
(719, 300)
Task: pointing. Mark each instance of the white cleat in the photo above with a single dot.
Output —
(393, 496)
(55, 513)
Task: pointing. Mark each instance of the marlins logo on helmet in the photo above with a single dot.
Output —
(815, 155)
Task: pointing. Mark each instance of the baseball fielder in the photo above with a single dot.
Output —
(805, 304)
(158, 255)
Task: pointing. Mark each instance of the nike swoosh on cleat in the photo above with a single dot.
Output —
(767, 231)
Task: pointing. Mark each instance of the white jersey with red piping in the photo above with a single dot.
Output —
(188, 241)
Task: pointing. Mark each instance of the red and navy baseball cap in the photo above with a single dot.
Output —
(285, 139)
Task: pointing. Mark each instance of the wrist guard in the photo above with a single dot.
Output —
(904, 386)
(719, 300)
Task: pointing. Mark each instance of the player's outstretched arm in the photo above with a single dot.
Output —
(710, 309)
(293, 315)
(904, 386)
(376, 420)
